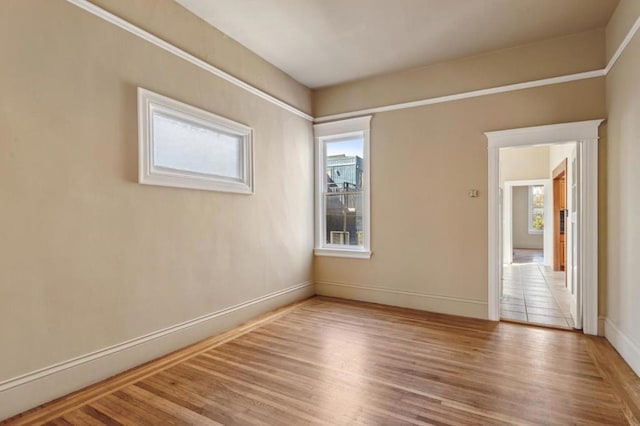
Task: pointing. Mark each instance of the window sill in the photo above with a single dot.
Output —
(354, 254)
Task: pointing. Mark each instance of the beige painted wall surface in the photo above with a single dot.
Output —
(550, 58)
(620, 23)
(524, 163)
(521, 236)
(428, 237)
(623, 197)
(559, 153)
(175, 24)
(90, 258)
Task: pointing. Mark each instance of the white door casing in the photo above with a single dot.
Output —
(573, 223)
(585, 134)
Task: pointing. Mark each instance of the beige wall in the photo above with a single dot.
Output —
(621, 21)
(429, 239)
(622, 203)
(521, 236)
(524, 163)
(550, 58)
(89, 258)
(178, 26)
(441, 151)
(559, 153)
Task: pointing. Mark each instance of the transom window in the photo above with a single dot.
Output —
(342, 182)
(184, 146)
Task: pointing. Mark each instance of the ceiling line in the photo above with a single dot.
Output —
(623, 45)
(145, 35)
(465, 95)
(493, 90)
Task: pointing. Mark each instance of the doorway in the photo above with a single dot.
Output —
(582, 257)
(532, 291)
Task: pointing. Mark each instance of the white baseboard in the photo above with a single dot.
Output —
(405, 299)
(629, 351)
(21, 393)
(601, 321)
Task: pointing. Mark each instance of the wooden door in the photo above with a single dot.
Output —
(559, 216)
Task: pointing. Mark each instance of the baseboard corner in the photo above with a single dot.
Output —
(622, 343)
(24, 392)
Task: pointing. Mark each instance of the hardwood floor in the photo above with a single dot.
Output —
(333, 362)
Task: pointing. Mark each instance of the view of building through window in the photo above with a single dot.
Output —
(343, 192)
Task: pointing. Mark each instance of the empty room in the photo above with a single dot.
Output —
(292, 212)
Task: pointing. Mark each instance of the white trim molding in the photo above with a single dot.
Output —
(343, 252)
(324, 134)
(210, 129)
(585, 134)
(544, 135)
(494, 90)
(26, 391)
(601, 321)
(465, 95)
(626, 347)
(405, 299)
(623, 45)
(157, 41)
(145, 35)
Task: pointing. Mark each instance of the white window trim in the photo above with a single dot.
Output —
(532, 230)
(150, 102)
(326, 132)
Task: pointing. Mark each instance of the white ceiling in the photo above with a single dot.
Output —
(324, 42)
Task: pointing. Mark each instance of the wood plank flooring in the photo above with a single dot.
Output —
(333, 362)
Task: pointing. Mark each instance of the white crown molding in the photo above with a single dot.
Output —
(83, 359)
(494, 90)
(145, 35)
(466, 95)
(632, 31)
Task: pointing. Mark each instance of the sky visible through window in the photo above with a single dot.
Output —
(348, 147)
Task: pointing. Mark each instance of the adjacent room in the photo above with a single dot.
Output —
(361, 212)
(539, 188)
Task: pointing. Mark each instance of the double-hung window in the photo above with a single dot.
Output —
(342, 188)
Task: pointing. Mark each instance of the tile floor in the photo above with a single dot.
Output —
(535, 293)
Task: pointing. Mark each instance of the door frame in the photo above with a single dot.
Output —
(585, 134)
(507, 219)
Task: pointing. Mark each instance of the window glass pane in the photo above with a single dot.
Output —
(344, 218)
(344, 165)
(538, 196)
(537, 207)
(344, 168)
(185, 146)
